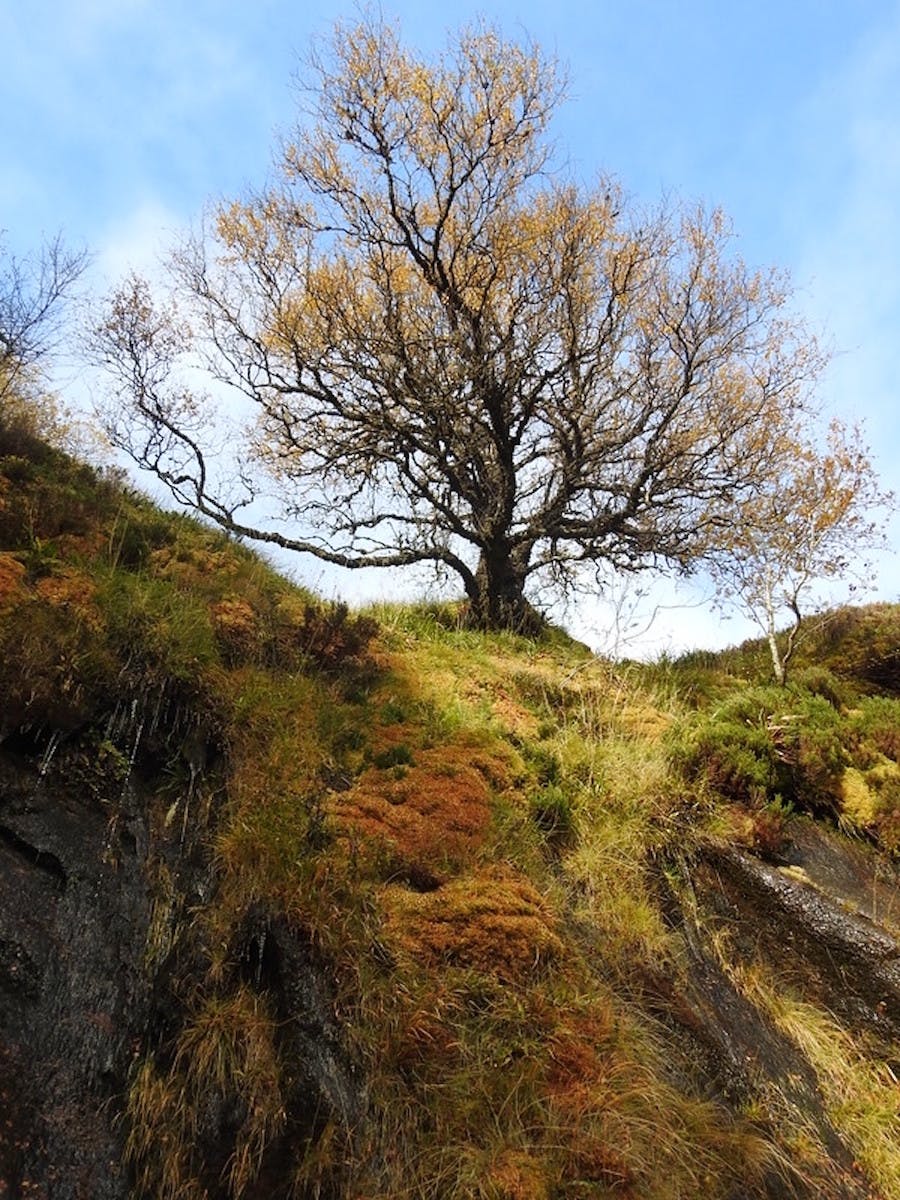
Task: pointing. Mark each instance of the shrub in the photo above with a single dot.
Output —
(767, 742)
(819, 681)
(821, 756)
(863, 644)
(45, 497)
(329, 636)
(870, 803)
(732, 751)
(875, 729)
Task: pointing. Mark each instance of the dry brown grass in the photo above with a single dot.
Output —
(225, 1056)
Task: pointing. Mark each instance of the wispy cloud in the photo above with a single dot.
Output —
(108, 96)
(137, 242)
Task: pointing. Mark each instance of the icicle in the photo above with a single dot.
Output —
(133, 755)
(260, 950)
(52, 747)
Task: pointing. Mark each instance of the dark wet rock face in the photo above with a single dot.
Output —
(281, 963)
(820, 923)
(742, 1057)
(82, 1001)
(850, 873)
(851, 962)
(73, 998)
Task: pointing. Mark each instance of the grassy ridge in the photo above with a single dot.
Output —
(476, 832)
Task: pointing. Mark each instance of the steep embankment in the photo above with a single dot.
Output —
(298, 903)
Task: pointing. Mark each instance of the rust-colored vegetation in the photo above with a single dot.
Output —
(12, 581)
(494, 922)
(425, 819)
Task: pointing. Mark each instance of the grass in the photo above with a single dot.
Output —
(225, 1058)
(567, 739)
(860, 1090)
(469, 832)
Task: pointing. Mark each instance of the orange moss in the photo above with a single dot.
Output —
(88, 544)
(494, 922)
(235, 625)
(644, 721)
(591, 1160)
(513, 716)
(395, 733)
(12, 581)
(68, 588)
(428, 818)
(757, 827)
(585, 1083)
(506, 709)
(193, 567)
(516, 1175)
(579, 1061)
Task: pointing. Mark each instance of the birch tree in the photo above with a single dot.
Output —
(810, 524)
(33, 295)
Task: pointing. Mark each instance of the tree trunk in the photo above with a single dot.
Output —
(777, 660)
(497, 600)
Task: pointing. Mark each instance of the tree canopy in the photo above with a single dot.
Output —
(35, 294)
(452, 352)
(803, 527)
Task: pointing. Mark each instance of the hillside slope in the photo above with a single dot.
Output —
(299, 902)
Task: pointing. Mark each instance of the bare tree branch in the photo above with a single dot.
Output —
(453, 354)
(33, 292)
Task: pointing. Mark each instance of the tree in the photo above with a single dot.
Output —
(806, 524)
(33, 292)
(453, 354)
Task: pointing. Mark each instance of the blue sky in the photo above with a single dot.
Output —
(122, 118)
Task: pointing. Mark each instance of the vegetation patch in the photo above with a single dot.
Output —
(471, 851)
(494, 922)
(425, 821)
(12, 580)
